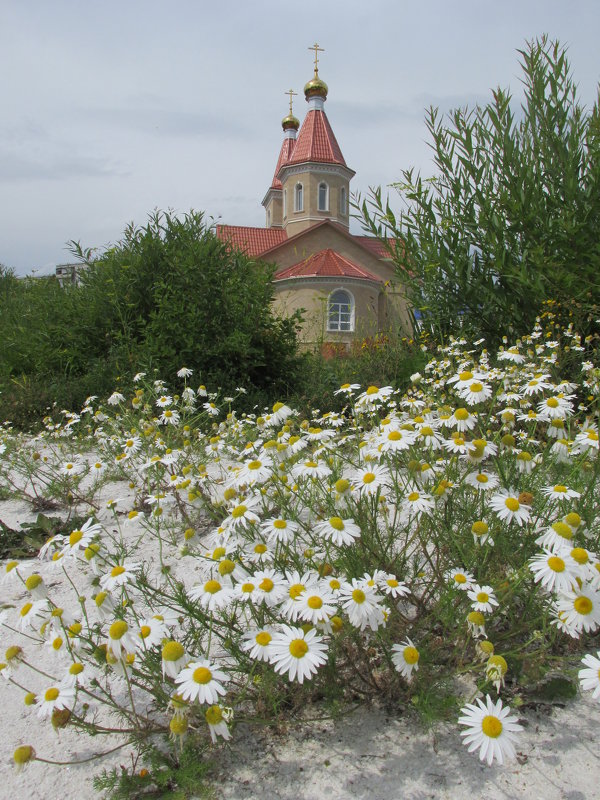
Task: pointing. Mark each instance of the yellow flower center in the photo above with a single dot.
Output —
(314, 602)
(202, 675)
(491, 726)
(212, 587)
(580, 555)
(266, 585)
(214, 715)
(337, 523)
(482, 478)
(573, 519)
(178, 726)
(476, 618)
(51, 694)
(254, 465)
(480, 528)
(460, 578)
(552, 402)
(118, 629)
(559, 488)
(512, 504)
(359, 596)
(334, 584)
(368, 477)
(413, 496)
(76, 669)
(465, 376)
(583, 605)
(263, 638)
(296, 590)
(247, 588)
(476, 387)
(372, 390)
(259, 549)
(298, 648)
(482, 597)
(226, 567)
(75, 537)
(145, 631)
(172, 651)
(280, 524)
(556, 564)
(461, 414)
(411, 655)
(26, 609)
(426, 431)
(116, 571)
(394, 436)
(563, 530)
(239, 511)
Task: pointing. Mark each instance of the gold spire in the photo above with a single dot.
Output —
(317, 50)
(291, 93)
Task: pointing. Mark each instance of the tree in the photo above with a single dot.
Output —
(512, 217)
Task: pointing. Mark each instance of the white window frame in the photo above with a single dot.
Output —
(299, 197)
(340, 313)
(325, 206)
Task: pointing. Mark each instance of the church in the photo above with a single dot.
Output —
(345, 284)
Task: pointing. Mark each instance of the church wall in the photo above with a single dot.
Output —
(297, 221)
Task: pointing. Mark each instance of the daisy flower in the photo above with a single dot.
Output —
(213, 595)
(115, 399)
(476, 623)
(418, 503)
(483, 598)
(80, 539)
(337, 530)
(119, 576)
(310, 469)
(153, 631)
(184, 372)
(405, 658)
(508, 508)
(480, 449)
(347, 388)
(475, 392)
(460, 578)
(202, 681)
(56, 698)
(164, 401)
(373, 396)
(589, 678)
(581, 609)
(462, 420)
(169, 417)
(121, 640)
(557, 536)
(316, 604)
(560, 492)
(277, 529)
(32, 613)
(555, 571)
(371, 479)
(395, 441)
(390, 585)
(298, 653)
(490, 729)
(257, 643)
(587, 440)
(495, 670)
(484, 481)
(480, 530)
(362, 605)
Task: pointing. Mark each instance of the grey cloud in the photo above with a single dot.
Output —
(163, 122)
(16, 167)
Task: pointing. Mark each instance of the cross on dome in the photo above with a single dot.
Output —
(317, 50)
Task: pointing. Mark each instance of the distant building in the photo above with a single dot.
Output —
(345, 283)
(69, 274)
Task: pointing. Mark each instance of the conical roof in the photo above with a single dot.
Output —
(316, 141)
(287, 148)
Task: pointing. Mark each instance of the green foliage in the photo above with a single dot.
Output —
(511, 217)
(170, 294)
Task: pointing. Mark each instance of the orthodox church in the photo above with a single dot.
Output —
(344, 283)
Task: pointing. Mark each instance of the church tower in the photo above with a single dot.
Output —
(314, 177)
(275, 201)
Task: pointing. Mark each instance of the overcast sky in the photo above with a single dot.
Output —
(112, 109)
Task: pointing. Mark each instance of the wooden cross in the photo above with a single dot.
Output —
(317, 50)
(291, 93)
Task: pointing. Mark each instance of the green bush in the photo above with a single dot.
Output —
(510, 217)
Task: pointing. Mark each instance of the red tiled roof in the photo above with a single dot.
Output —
(287, 148)
(253, 241)
(376, 246)
(316, 141)
(326, 264)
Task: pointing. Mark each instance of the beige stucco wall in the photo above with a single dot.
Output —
(296, 221)
(275, 206)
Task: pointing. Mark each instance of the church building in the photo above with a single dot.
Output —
(344, 283)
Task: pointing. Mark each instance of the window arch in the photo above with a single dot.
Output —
(323, 197)
(343, 201)
(299, 197)
(340, 311)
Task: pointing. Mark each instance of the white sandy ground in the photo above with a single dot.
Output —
(366, 755)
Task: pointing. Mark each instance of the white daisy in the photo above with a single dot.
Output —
(337, 530)
(507, 506)
(257, 643)
(405, 658)
(298, 653)
(589, 678)
(555, 571)
(490, 729)
(581, 609)
(482, 598)
(201, 680)
(56, 698)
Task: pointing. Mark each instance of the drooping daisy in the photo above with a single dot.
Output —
(481, 535)
(405, 658)
(217, 724)
(490, 729)
(557, 536)
(337, 530)
(483, 598)
(495, 670)
(507, 506)
(121, 641)
(297, 653)
(201, 680)
(589, 678)
(32, 614)
(174, 658)
(81, 538)
(555, 571)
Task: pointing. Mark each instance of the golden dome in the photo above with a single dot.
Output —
(289, 122)
(315, 88)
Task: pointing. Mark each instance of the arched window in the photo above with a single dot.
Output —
(284, 203)
(340, 311)
(343, 202)
(299, 198)
(323, 202)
